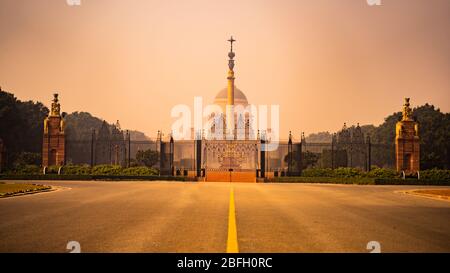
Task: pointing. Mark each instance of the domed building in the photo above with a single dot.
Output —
(241, 124)
(222, 98)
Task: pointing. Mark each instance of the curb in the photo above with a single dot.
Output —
(27, 193)
(425, 195)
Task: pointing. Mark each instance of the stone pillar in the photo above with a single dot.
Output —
(290, 155)
(407, 142)
(54, 146)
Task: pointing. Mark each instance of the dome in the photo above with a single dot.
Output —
(239, 97)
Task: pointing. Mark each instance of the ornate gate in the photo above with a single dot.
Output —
(230, 160)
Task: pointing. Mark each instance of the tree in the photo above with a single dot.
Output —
(321, 137)
(434, 132)
(147, 158)
(26, 158)
(309, 159)
(21, 126)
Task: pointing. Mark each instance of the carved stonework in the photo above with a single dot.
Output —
(55, 111)
(407, 142)
(407, 112)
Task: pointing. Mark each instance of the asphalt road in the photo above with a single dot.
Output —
(193, 217)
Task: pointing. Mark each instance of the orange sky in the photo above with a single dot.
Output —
(324, 62)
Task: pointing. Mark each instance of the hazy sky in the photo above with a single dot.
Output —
(324, 62)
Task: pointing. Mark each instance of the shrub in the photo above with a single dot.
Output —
(139, 171)
(76, 169)
(350, 172)
(107, 170)
(376, 172)
(347, 172)
(317, 172)
(339, 172)
(435, 174)
(27, 169)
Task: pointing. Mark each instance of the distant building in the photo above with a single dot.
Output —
(53, 148)
(407, 146)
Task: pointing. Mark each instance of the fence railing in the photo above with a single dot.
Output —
(182, 155)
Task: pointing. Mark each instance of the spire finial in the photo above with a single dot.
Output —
(231, 42)
(231, 54)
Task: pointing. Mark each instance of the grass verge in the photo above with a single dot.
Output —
(11, 189)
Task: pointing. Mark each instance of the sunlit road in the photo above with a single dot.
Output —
(194, 217)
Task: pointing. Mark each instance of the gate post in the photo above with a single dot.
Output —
(290, 154)
(160, 147)
(129, 149)
(263, 158)
(171, 156)
(332, 151)
(162, 158)
(198, 154)
(300, 156)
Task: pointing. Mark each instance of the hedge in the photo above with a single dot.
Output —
(94, 177)
(76, 169)
(84, 170)
(375, 172)
(359, 181)
(435, 174)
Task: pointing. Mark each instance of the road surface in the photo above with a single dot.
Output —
(195, 217)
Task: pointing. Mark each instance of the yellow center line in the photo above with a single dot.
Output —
(232, 243)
